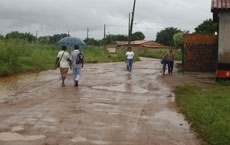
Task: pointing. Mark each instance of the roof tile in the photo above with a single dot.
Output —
(220, 4)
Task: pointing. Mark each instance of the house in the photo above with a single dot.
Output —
(221, 15)
(140, 44)
(118, 45)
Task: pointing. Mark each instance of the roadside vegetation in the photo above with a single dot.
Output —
(207, 109)
(158, 53)
(20, 56)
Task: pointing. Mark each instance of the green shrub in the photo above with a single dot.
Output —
(17, 56)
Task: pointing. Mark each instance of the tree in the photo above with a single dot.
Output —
(166, 36)
(1, 37)
(13, 34)
(177, 39)
(44, 39)
(138, 36)
(111, 38)
(207, 27)
(55, 38)
(121, 38)
(17, 35)
(92, 41)
(29, 37)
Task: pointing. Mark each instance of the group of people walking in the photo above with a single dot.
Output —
(67, 61)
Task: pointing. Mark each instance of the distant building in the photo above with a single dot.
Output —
(118, 45)
(140, 44)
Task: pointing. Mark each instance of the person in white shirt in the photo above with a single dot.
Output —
(129, 59)
(63, 58)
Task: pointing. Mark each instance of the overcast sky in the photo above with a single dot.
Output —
(49, 17)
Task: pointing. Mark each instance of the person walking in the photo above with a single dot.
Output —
(170, 60)
(63, 58)
(129, 59)
(77, 64)
(164, 63)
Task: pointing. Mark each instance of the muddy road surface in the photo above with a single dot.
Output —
(110, 107)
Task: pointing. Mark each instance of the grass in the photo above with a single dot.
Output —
(18, 56)
(99, 55)
(158, 53)
(207, 109)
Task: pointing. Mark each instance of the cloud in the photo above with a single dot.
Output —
(49, 17)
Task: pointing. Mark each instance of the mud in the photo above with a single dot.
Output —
(110, 107)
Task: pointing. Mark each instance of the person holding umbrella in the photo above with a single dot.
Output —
(63, 58)
(77, 64)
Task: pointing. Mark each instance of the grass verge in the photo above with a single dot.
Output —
(207, 110)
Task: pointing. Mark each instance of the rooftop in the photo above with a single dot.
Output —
(217, 6)
(220, 4)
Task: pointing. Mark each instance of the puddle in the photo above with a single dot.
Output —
(83, 139)
(99, 110)
(79, 139)
(171, 116)
(51, 120)
(98, 142)
(17, 128)
(8, 85)
(113, 113)
(7, 136)
(102, 104)
(126, 88)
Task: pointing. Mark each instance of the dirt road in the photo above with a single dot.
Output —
(110, 107)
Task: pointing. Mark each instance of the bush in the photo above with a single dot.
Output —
(17, 56)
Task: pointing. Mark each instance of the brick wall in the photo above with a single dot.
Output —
(199, 53)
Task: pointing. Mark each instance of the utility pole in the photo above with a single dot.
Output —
(36, 37)
(87, 35)
(131, 25)
(104, 35)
